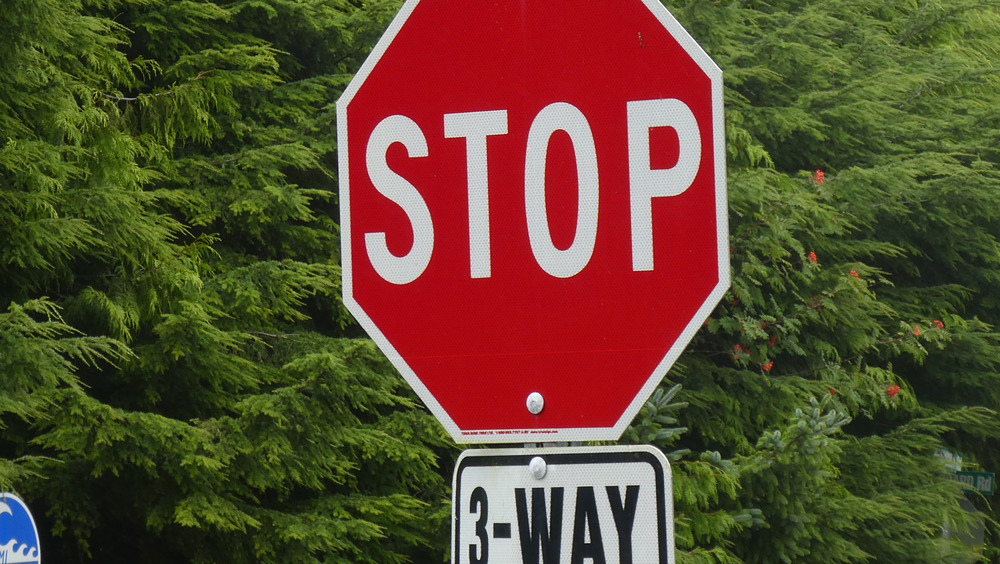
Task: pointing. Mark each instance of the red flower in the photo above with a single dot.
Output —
(938, 324)
(892, 390)
(774, 339)
(916, 331)
(819, 176)
(767, 367)
(812, 257)
(854, 274)
(833, 392)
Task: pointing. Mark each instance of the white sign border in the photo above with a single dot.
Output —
(587, 455)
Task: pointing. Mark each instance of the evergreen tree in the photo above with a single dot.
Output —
(179, 380)
(857, 340)
(178, 384)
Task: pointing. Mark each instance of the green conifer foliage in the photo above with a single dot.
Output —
(862, 174)
(179, 380)
(176, 382)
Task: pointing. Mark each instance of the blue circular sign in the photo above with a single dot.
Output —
(18, 534)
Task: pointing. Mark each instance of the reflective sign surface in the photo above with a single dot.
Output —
(533, 202)
(600, 505)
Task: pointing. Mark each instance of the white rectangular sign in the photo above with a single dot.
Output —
(574, 505)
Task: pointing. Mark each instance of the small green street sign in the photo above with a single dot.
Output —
(981, 482)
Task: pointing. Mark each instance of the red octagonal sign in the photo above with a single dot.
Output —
(533, 209)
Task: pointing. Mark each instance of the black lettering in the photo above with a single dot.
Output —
(501, 530)
(478, 504)
(624, 519)
(541, 535)
(584, 519)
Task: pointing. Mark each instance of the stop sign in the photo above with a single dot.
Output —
(533, 211)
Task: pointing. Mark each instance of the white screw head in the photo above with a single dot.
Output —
(535, 403)
(537, 468)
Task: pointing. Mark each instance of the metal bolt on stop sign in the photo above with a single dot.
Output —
(535, 403)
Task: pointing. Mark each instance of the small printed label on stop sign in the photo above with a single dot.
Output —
(563, 506)
(533, 209)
